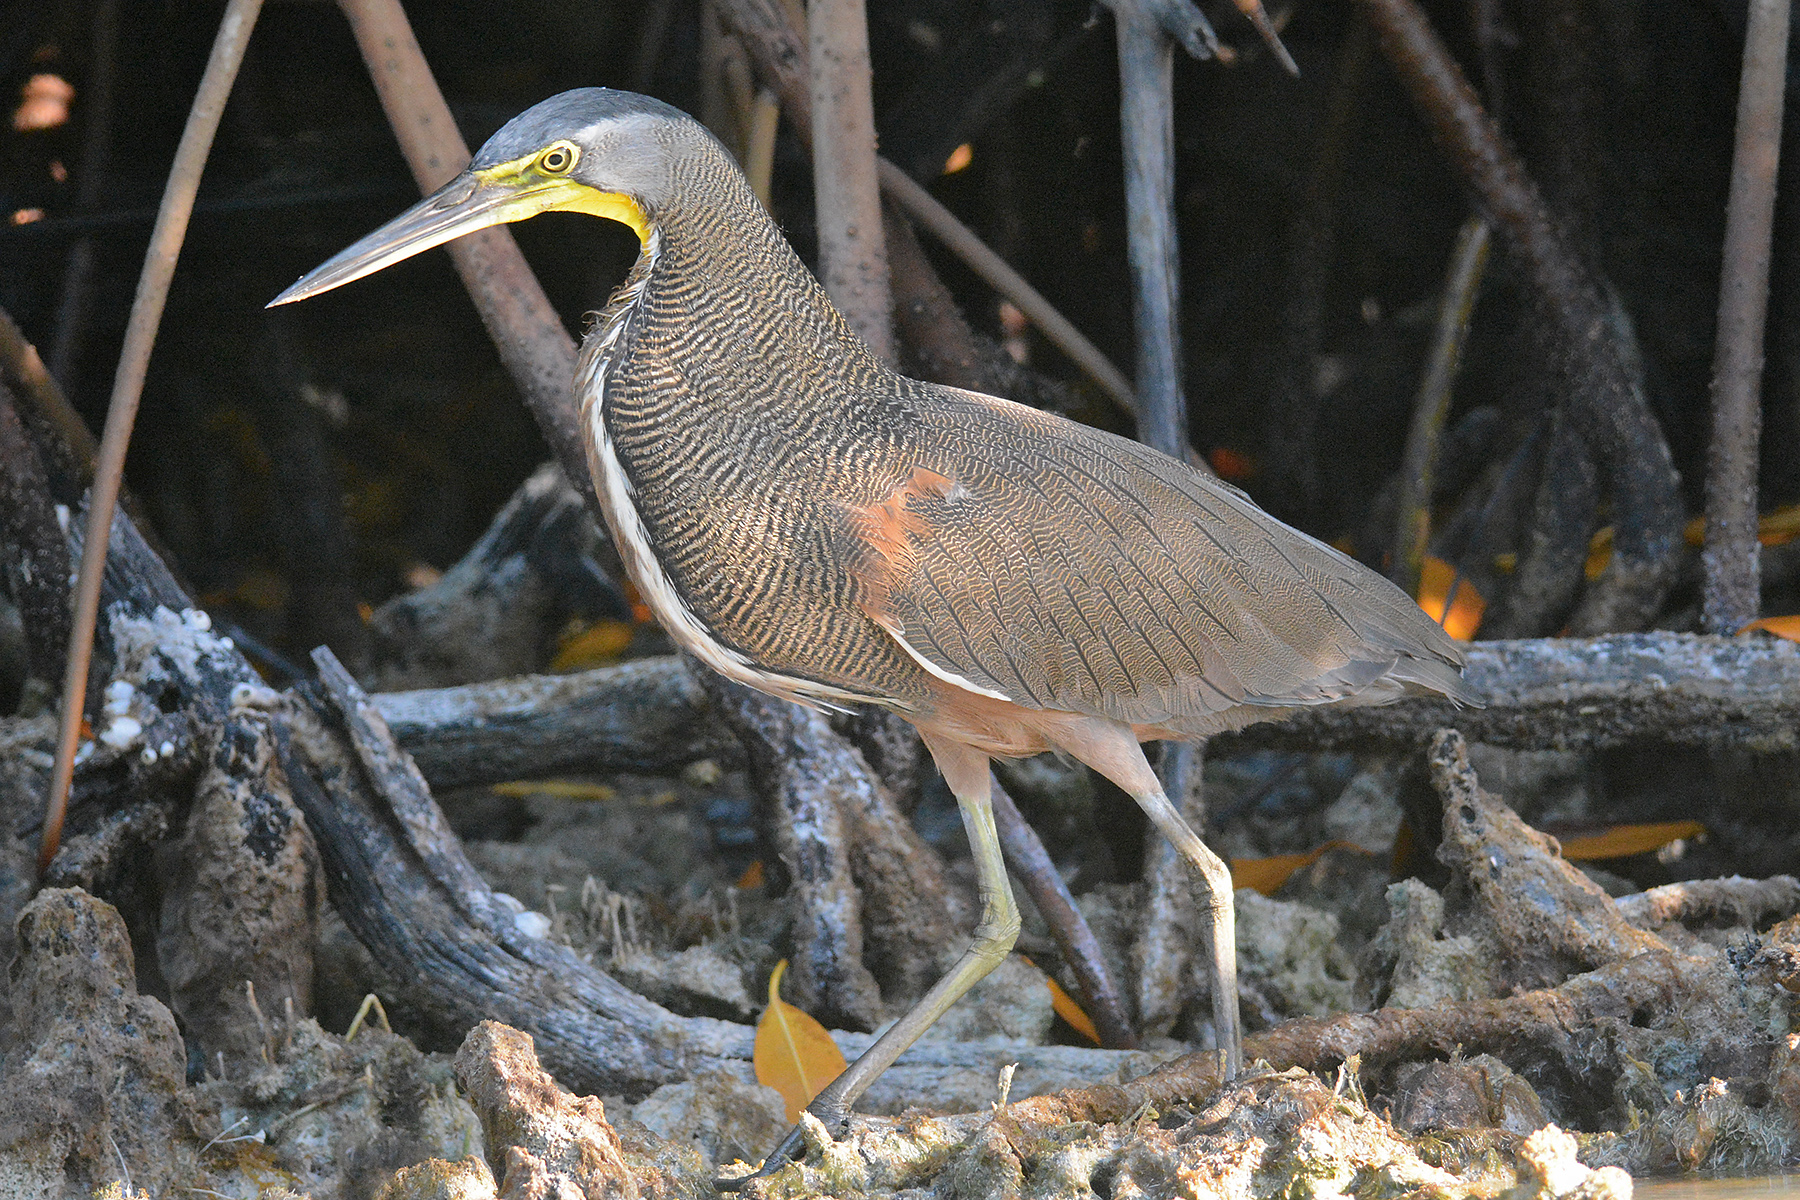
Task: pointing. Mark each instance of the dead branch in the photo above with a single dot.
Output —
(801, 768)
(1729, 902)
(1732, 596)
(647, 716)
(1542, 694)
(399, 878)
(1147, 117)
(1585, 693)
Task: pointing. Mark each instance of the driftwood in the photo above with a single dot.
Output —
(1542, 694)
(646, 716)
(1587, 693)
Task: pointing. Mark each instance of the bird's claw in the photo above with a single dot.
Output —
(791, 1148)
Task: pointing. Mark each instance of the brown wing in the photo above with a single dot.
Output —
(1063, 567)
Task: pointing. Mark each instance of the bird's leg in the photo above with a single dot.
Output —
(1215, 881)
(1112, 749)
(966, 771)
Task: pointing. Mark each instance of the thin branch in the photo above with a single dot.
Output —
(1147, 119)
(128, 385)
(1026, 855)
(1731, 595)
(1418, 469)
(961, 241)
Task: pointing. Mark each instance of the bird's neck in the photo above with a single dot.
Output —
(720, 319)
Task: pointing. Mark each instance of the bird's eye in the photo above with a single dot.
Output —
(557, 159)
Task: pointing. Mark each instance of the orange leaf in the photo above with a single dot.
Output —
(1266, 875)
(1782, 627)
(1622, 841)
(1066, 1006)
(1436, 579)
(751, 878)
(1072, 1012)
(596, 646)
(794, 1054)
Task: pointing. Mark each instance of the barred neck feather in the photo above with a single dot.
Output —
(701, 390)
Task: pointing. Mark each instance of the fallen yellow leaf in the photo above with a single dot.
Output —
(1266, 875)
(598, 645)
(1069, 1010)
(793, 1053)
(752, 877)
(562, 789)
(1067, 1007)
(1622, 841)
(1782, 627)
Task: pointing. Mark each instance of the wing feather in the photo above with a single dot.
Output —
(1066, 568)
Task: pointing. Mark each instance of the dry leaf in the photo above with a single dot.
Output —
(1782, 627)
(1622, 841)
(752, 877)
(794, 1054)
(598, 645)
(1066, 1006)
(1070, 1011)
(1266, 875)
(562, 789)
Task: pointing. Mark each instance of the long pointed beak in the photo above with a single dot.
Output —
(464, 205)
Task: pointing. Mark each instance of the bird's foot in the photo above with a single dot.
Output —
(815, 1131)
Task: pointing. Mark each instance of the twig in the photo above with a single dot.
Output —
(537, 351)
(1026, 855)
(1418, 468)
(847, 192)
(943, 224)
(128, 384)
(1731, 594)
